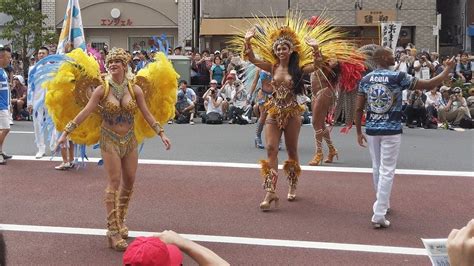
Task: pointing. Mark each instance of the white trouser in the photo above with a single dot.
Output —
(384, 153)
(38, 116)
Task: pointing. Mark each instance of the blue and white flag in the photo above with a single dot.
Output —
(72, 32)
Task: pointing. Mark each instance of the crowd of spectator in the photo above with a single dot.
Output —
(221, 71)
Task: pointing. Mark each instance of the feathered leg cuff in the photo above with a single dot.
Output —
(292, 170)
(269, 176)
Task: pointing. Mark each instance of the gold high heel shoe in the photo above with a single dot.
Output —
(317, 159)
(292, 170)
(124, 199)
(114, 239)
(332, 153)
(270, 197)
(270, 178)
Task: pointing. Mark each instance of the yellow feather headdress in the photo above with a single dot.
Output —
(294, 29)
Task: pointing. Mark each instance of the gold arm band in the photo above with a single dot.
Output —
(70, 127)
(158, 128)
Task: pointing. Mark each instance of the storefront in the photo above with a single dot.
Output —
(215, 32)
(129, 25)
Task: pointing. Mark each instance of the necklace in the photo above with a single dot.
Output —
(118, 90)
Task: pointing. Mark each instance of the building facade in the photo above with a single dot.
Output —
(360, 18)
(128, 24)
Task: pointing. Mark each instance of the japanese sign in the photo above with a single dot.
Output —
(374, 17)
(115, 22)
(390, 32)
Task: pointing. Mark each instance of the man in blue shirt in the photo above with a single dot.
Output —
(5, 57)
(382, 90)
(186, 102)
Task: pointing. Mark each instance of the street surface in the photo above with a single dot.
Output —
(208, 188)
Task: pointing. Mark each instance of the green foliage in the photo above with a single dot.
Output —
(26, 29)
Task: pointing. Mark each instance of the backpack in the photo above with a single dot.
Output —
(466, 122)
(214, 118)
(183, 119)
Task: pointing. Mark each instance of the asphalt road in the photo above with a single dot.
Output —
(421, 149)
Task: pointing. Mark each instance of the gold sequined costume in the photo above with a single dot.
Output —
(282, 105)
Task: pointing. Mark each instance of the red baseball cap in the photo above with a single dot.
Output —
(151, 251)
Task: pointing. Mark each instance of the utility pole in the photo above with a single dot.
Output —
(196, 22)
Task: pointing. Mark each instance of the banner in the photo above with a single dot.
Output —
(390, 32)
(72, 32)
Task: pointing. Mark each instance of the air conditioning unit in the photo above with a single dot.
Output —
(405, 33)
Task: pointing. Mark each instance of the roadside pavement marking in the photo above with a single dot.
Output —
(257, 166)
(22, 132)
(227, 240)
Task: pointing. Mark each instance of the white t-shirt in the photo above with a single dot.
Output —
(424, 72)
(212, 108)
(434, 100)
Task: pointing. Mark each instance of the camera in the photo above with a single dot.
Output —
(455, 90)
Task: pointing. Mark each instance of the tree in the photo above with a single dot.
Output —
(26, 29)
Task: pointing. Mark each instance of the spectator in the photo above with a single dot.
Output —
(135, 62)
(165, 249)
(185, 105)
(464, 68)
(178, 50)
(241, 108)
(455, 108)
(217, 70)
(470, 102)
(423, 66)
(227, 89)
(200, 69)
(213, 100)
(19, 98)
(143, 57)
(402, 64)
(432, 103)
(460, 246)
(416, 109)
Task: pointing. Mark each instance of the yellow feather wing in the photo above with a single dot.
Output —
(68, 93)
(159, 82)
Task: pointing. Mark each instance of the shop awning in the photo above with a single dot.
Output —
(225, 26)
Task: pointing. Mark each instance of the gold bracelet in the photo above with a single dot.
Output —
(158, 128)
(70, 127)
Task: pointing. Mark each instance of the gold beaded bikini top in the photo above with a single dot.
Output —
(115, 114)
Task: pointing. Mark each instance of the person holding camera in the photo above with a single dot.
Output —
(240, 109)
(186, 101)
(402, 64)
(455, 109)
(213, 104)
(423, 66)
(416, 109)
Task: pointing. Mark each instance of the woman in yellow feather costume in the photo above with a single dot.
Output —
(288, 50)
(110, 117)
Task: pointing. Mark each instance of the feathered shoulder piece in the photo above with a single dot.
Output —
(69, 83)
(159, 83)
(293, 30)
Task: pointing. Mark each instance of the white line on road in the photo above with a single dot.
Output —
(256, 166)
(227, 240)
(22, 132)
